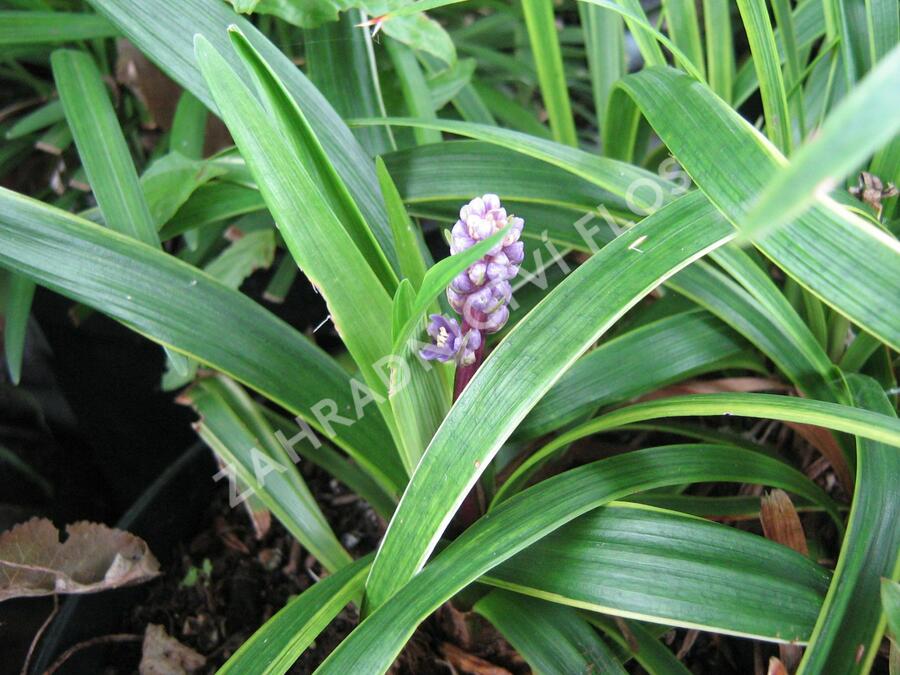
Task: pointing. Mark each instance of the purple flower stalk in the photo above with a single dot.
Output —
(479, 293)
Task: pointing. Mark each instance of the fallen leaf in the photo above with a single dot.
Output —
(824, 441)
(776, 667)
(725, 384)
(465, 662)
(164, 655)
(93, 558)
(781, 523)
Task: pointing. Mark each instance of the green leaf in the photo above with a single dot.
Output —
(755, 14)
(611, 560)
(631, 364)
(19, 293)
(541, 24)
(883, 24)
(188, 127)
(862, 123)
(767, 406)
(416, 95)
(101, 145)
(524, 519)
(164, 31)
(420, 32)
(684, 29)
(643, 33)
(890, 600)
(793, 66)
(447, 84)
(404, 300)
(337, 465)
(27, 28)
(778, 336)
(646, 35)
(358, 303)
(291, 123)
(642, 644)
(212, 203)
(237, 432)
(845, 639)
(341, 64)
(309, 13)
(179, 306)
(809, 25)
(170, 181)
(604, 41)
(523, 367)
(550, 637)
(250, 252)
(412, 264)
(820, 379)
(469, 168)
(274, 648)
(833, 253)
(719, 47)
(615, 176)
(37, 120)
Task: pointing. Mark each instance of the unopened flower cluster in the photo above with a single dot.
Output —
(479, 293)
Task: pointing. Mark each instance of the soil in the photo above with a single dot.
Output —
(226, 582)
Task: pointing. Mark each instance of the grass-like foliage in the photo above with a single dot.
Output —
(708, 304)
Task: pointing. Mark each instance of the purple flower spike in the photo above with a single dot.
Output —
(449, 342)
(479, 293)
(483, 288)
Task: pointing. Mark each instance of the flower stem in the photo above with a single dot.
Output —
(465, 373)
(473, 505)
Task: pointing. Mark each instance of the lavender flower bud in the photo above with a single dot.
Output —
(449, 342)
(479, 293)
(483, 289)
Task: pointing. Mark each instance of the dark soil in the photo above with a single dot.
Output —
(228, 582)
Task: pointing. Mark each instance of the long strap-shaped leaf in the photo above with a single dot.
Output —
(615, 176)
(716, 577)
(164, 31)
(274, 648)
(551, 638)
(768, 406)
(642, 644)
(864, 121)
(541, 25)
(311, 229)
(832, 252)
(531, 358)
(341, 64)
(101, 145)
(179, 306)
(521, 521)
(850, 626)
(237, 432)
(28, 28)
(755, 15)
(631, 365)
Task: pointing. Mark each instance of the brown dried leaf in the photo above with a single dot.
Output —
(164, 655)
(465, 662)
(93, 558)
(776, 667)
(824, 441)
(780, 521)
(722, 385)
